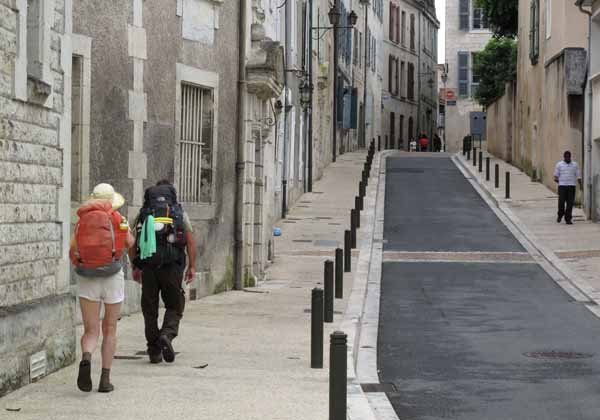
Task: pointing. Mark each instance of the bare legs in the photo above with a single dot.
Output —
(90, 312)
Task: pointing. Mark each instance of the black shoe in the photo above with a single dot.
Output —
(167, 348)
(84, 378)
(155, 357)
(569, 222)
(559, 219)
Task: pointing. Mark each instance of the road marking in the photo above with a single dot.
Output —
(471, 257)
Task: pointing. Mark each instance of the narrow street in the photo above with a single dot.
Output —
(479, 331)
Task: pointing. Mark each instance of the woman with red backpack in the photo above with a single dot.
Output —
(99, 245)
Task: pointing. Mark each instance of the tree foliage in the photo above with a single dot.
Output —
(503, 16)
(496, 64)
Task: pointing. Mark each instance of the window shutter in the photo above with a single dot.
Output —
(464, 7)
(463, 73)
(397, 69)
(534, 32)
(392, 7)
(390, 74)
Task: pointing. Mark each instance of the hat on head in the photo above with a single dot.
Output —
(107, 192)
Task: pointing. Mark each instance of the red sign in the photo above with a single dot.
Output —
(450, 95)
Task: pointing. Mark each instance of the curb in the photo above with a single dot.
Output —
(583, 291)
(361, 320)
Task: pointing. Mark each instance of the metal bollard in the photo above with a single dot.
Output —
(379, 143)
(316, 329)
(347, 251)
(487, 168)
(353, 227)
(328, 282)
(386, 142)
(497, 176)
(358, 203)
(507, 192)
(338, 376)
(361, 189)
(480, 161)
(339, 273)
(475, 156)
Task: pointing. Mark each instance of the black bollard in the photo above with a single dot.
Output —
(353, 227)
(497, 176)
(358, 204)
(487, 168)
(361, 189)
(339, 273)
(328, 282)
(347, 251)
(379, 143)
(386, 142)
(316, 329)
(468, 155)
(507, 192)
(480, 161)
(475, 156)
(338, 376)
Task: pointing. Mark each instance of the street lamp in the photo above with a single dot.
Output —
(352, 18)
(334, 15)
(306, 89)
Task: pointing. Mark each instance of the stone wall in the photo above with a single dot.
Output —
(500, 124)
(36, 308)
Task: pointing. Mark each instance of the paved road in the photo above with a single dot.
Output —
(457, 338)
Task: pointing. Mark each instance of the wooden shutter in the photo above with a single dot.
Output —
(463, 73)
(391, 34)
(390, 74)
(463, 10)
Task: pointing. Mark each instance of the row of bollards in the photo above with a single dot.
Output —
(478, 161)
(322, 303)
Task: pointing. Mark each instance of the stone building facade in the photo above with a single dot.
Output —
(546, 115)
(156, 95)
(401, 49)
(592, 122)
(466, 33)
(427, 75)
(37, 334)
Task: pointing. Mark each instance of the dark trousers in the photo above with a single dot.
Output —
(566, 196)
(166, 281)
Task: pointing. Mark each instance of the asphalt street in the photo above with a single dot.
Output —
(471, 340)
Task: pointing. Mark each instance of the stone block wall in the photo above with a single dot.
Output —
(36, 307)
(500, 124)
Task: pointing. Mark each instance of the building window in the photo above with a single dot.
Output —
(401, 133)
(393, 130)
(355, 52)
(548, 19)
(397, 23)
(392, 22)
(534, 31)
(463, 10)
(475, 77)
(196, 144)
(403, 30)
(397, 77)
(463, 74)
(412, 32)
(368, 47)
(480, 20)
(390, 74)
(411, 81)
(411, 128)
(402, 89)
(35, 38)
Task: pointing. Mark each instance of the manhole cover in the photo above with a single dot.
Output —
(556, 354)
(379, 387)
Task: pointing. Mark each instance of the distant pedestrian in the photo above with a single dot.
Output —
(437, 143)
(568, 175)
(163, 235)
(413, 145)
(423, 143)
(98, 247)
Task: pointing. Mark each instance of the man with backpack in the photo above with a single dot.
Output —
(97, 253)
(163, 235)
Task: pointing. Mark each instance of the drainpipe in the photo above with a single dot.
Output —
(589, 180)
(310, 107)
(284, 171)
(241, 153)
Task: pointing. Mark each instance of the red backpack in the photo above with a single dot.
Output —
(99, 240)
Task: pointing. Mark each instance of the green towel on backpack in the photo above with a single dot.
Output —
(148, 239)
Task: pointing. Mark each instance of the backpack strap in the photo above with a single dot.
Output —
(112, 234)
(77, 243)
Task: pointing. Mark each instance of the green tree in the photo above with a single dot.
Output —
(495, 65)
(503, 16)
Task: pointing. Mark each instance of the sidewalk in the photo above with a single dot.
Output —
(573, 250)
(256, 344)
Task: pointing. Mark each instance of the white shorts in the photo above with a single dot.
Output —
(109, 290)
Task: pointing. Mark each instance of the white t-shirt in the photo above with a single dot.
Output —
(567, 173)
